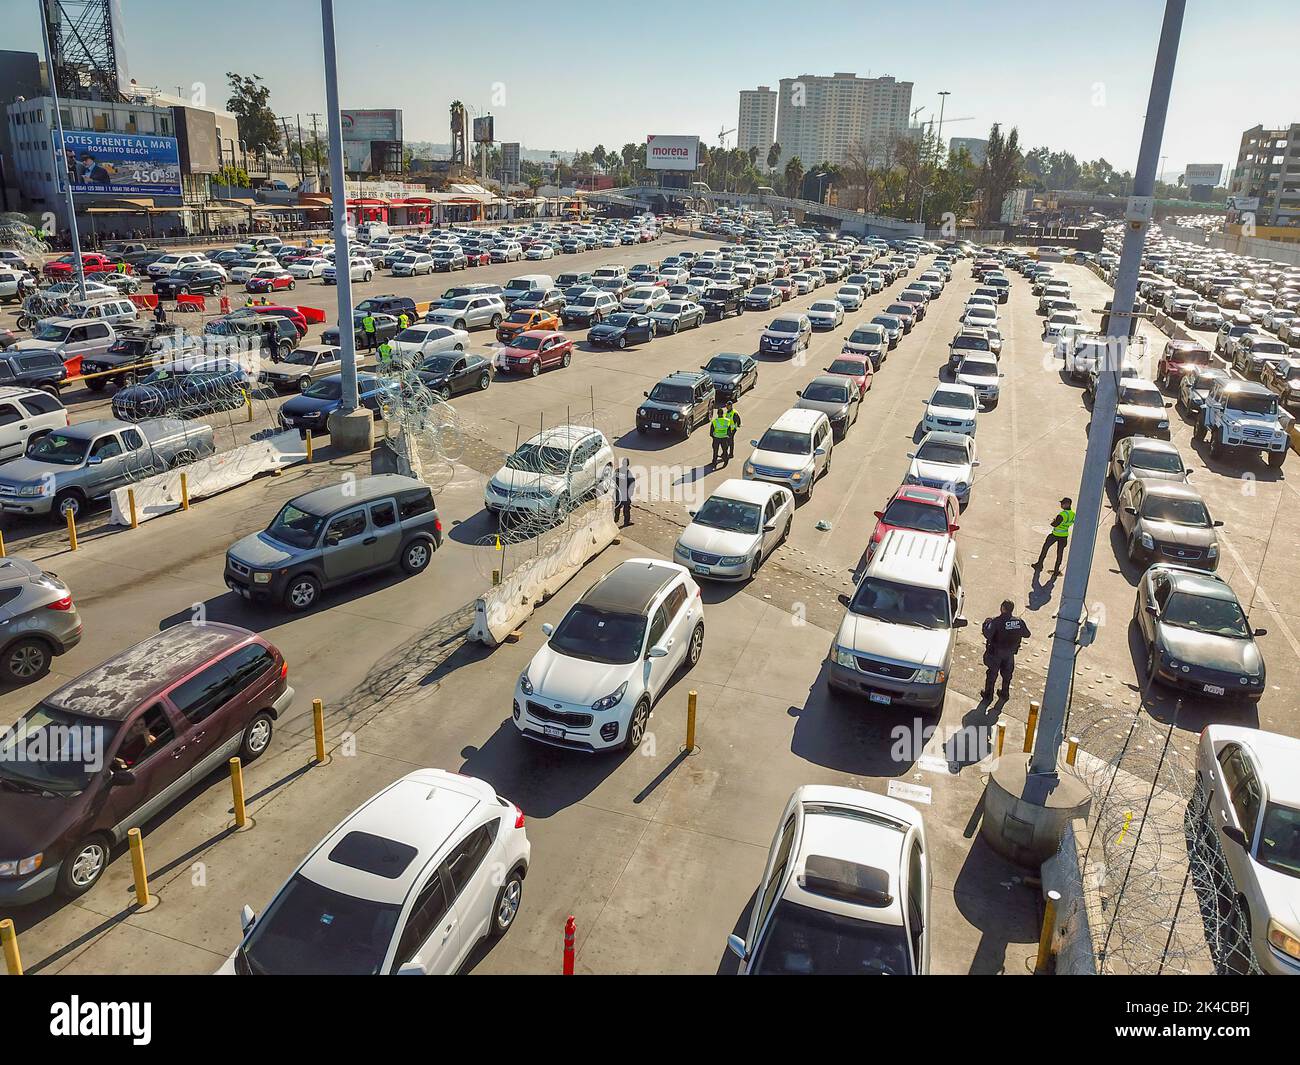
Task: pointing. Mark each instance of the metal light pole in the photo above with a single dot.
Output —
(339, 197)
(1083, 536)
(58, 151)
(943, 99)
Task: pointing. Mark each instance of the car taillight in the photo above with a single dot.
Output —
(437, 525)
(60, 604)
(519, 817)
(284, 670)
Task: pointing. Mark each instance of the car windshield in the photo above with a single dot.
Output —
(866, 336)
(923, 517)
(520, 317)
(1253, 404)
(675, 394)
(1140, 397)
(1202, 613)
(821, 305)
(786, 442)
(978, 367)
(826, 392)
(803, 941)
(721, 365)
(1161, 461)
(901, 604)
(941, 451)
(619, 320)
(416, 336)
(50, 331)
(673, 308)
(51, 750)
(439, 364)
(1279, 839)
(58, 448)
(849, 367)
(599, 635)
(956, 400)
(886, 323)
(301, 357)
(295, 526)
(730, 515)
(526, 343)
(539, 458)
(1176, 509)
(312, 930)
(784, 325)
(585, 301)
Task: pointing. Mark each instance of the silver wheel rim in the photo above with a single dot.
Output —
(637, 729)
(697, 640)
(302, 594)
(26, 661)
(69, 506)
(418, 556)
(259, 735)
(510, 897)
(87, 865)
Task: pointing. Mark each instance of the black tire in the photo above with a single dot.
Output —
(301, 593)
(484, 380)
(25, 660)
(674, 326)
(697, 635)
(304, 383)
(459, 323)
(257, 737)
(1134, 551)
(69, 500)
(507, 905)
(416, 556)
(1151, 668)
(96, 384)
(496, 321)
(1277, 458)
(184, 457)
(637, 724)
(622, 342)
(535, 368)
(566, 360)
(444, 393)
(83, 867)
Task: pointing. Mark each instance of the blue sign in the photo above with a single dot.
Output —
(123, 164)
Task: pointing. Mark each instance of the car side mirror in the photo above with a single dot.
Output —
(819, 452)
(332, 538)
(657, 651)
(1150, 609)
(1260, 632)
(1131, 510)
(1236, 835)
(547, 628)
(414, 967)
(121, 777)
(770, 527)
(246, 918)
(959, 622)
(94, 460)
(737, 946)
(753, 443)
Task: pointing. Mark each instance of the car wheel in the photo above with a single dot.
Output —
(69, 502)
(507, 904)
(302, 593)
(368, 276)
(622, 342)
(534, 368)
(83, 867)
(25, 660)
(636, 725)
(183, 458)
(416, 557)
(1277, 458)
(304, 383)
(496, 321)
(1151, 667)
(459, 323)
(1134, 550)
(674, 326)
(753, 566)
(484, 380)
(257, 737)
(697, 636)
(444, 393)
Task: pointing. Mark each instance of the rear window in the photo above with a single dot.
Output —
(40, 403)
(414, 503)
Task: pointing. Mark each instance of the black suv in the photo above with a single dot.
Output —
(276, 336)
(193, 279)
(39, 369)
(677, 404)
(721, 301)
(388, 304)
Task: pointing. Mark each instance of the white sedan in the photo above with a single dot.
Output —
(539, 251)
(979, 317)
(738, 526)
(408, 883)
(825, 314)
(644, 299)
(416, 341)
(305, 269)
(944, 460)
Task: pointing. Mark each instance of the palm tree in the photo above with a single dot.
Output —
(773, 155)
(793, 177)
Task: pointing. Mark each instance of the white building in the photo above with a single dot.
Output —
(756, 125)
(822, 119)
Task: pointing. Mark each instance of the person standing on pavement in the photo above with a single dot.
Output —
(368, 331)
(403, 320)
(733, 423)
(159, 315)
(624, 487)
(1059, 535)
(720, 431)
(1002, 636)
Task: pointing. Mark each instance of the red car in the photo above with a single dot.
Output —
(91, 262)
(915, 507)
(268, 280)
(857, 367)
(784, 286)
(534, 351)
(478, 258)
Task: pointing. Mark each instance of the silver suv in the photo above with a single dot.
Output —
(469, 312)
(40, 620)
(895, 644)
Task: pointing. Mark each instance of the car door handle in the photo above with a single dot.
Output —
(446, 932)
(370, 540)
(177, 753)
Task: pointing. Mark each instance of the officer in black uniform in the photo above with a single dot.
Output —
(1002, 636)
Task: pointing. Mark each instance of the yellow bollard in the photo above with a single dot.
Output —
(137, 867)
(318, 726)
(135, 518)
(1000, 731)
(248, 402)
(9, 941)
(1071, 750)
(1048, 933)
(690, 721)
(2, 545)
(308, 445)
(1031, 727)
(237, 787)
(72, 529)
(185, 491)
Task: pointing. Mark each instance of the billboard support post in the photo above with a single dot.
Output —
(61, 174)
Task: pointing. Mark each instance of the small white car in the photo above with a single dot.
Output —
(981, 373)
(944, 460)
(850, 297)
(539, 251)
(421, 339)
(794, 452)
(738, 526)
(408, 883)
(644, 298)
(825, 314)
(548, 473)
(979, 317)
(359, 269)
(1248, 796)
(845, 891)
(593, 684)
(951, 408)
(306, 269)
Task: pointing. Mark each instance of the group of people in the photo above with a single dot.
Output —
(722, 429)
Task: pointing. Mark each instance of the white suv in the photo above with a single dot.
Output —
(547, 474)
(408, 883)
(27, 414)
(794, 452)
(593, 685)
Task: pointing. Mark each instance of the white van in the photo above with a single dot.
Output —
(369, 231)
(517, 287)
(118, 311)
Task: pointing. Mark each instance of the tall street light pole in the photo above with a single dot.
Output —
(943, 99)
(59, 153)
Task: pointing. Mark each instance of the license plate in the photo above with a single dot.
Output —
(654, 425)
(1213, 689)
(703, 569)
(876, 697)
(551, 730)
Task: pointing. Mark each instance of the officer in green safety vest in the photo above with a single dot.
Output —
(1060, 533)
(720, 430)
(733, 423)
(403, 320)
(368, 331)
(385, 355)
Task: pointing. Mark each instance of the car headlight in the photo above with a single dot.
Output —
(1162, 424)
(1147, 542)
(676, 416)
(525, 685)
(749, 468)
(733, 560)
(1119, 419)
(797, 475)
(262, 577)
(611, 700)
(682, 550)
(1212, 551)
(1282, 939)
(930, 676)
(21, 866)
(845, 657)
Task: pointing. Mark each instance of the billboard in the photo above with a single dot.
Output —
(510, 162)
(1208, 174)
(484, 131)
(197, 140)
(1249, 204)
(382, 125)
(671, 153)
(122, 164)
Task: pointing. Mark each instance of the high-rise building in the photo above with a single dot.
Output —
(756, 126)
(822, 119)
(1268, 170)
(978, 147)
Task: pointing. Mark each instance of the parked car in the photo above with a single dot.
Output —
(738, 526)
(470, 311)
(301, 367)
(677, 404)
(27, 414)
(533, 351)
(524, 321)
(835, 396)
(621, 329)
(786, 334)
(547, 474)
(38, 622)
(168, 711)
(794, 452)
(674, 315)
(919, 509)
(202, 279)
(733, 375)
(310, 410)
(386, 328)
(951, 408)
(334, 535)
(184, 392)
(1141, 456)
(454, 372)
(1165, 521)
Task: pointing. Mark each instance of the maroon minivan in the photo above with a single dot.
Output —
(109, 750)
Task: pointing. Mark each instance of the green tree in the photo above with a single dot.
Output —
(249, 102)
(773, 155)
(793, 176)
(1001, 171)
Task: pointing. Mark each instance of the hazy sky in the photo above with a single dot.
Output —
(570, 73)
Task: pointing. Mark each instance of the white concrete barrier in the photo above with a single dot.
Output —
(161, 494)
(502, 609)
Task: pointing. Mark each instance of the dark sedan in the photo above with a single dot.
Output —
(310, 410)
(386, 327)
(451, 373)
(732, 375)
(906, 313)
(621, 329)
(1196, 635)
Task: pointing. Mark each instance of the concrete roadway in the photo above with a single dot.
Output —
(658, 854)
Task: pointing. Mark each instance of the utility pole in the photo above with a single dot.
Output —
(943, 99)
(60, 159)
(315, 147)
(302, 162)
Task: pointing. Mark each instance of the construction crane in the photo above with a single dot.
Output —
(723, 134)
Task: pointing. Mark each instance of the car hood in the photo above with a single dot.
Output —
(606, 330)
(779, 460)
(25, 470)
(778, 337)
(1246, 421)
(725, 379)
(717, 541)
(260, 551)
(978, 380)
(574, 680)
(509, 479)
(38, 345)
(959, 414)
(1169, 532)
(924, 647)
(34, 820)
(829, 408)
(941, 471)
(1212, 652)
(1139, 413)
(308, 405)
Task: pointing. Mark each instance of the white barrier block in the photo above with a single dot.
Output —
(161, 493)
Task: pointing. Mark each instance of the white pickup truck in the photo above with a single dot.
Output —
(1242, 414)
(1090, 350)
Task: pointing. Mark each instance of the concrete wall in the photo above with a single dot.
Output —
(1278, 251)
